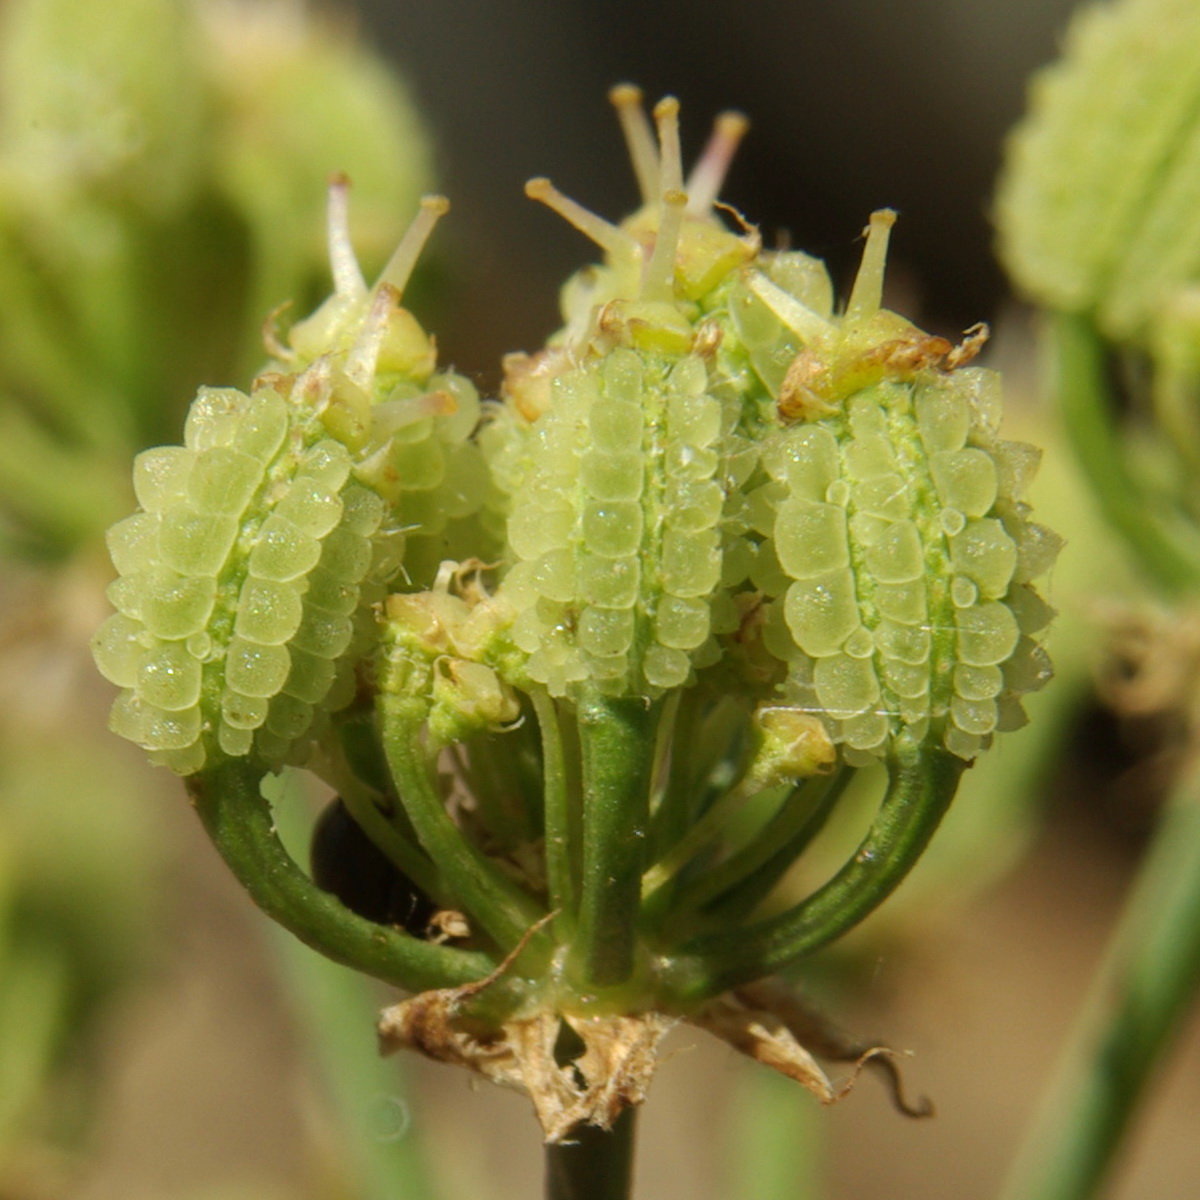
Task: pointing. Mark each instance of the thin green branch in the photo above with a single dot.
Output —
(559, 879)
(399, 851)
(671, 815)
(707, 828)
(734, 889)
(376, 812)
(1147, 983)
(230, 803)
(489, 896)
(919, 792)
(506, 804)
(704, 765)
(1090, 419)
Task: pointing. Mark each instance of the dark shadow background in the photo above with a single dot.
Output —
(855, 105)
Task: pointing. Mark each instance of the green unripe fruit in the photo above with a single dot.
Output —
(614, 445)
(214, 638)
(895, 519)
(705, 427)
(246, 582)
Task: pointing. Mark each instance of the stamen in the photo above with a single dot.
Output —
(867, 293)
(364, 354)
(808, 325)
(639, 138)
(666, 116)
(704, 183)
(404, 258)
(659, 280)
(609, 238)
(347, 277)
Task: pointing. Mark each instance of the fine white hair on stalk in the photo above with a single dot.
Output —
(347, 276)
(639, 138)
(867, 294)
(400, 266)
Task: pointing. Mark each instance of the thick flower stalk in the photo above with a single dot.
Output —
(716, 546)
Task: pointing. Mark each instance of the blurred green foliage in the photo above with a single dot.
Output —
(162, 179)
(162, 188)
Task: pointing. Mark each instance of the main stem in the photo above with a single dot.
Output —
(596, 1164)
(617, 745)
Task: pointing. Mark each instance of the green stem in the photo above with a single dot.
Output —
(478, 884)
(559, 880)
(229, 802)
(507, 800)
(1089, 416)
(617, 747)
(919, 792)
(1147, 983)
(595, 1164)
(703, 766)
(353, 765)
(706, 829)
(747, 877)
